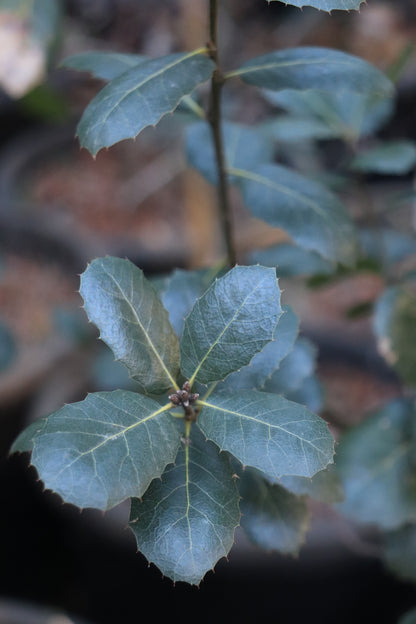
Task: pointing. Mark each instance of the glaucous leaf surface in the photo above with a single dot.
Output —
(140, 97)
(103, 65)
(326, 5)
(312, 215)
(180, 291)
(294, 368)
(186, 521)
(386, 245)
(263, 364)
(292, 261)
(245, 147)
(272, 517)
(292, 129)
(324, 486)
(399, 552)
(310, 393)
(267, 432)
(230, 323)
(343, 113)
(311, 67)
(390, 158)
(132, 321)
(24, 441)
(100, 451)
(375, 461)
(395, 327)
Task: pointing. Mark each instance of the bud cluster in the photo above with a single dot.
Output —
(184, 397)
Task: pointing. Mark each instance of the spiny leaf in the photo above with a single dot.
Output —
(230, 323)
(140, 97)
(267, 432)
(311, 67)
(272, 517)
(186, 521)
(100, 451)
(132, 321)
(312, 215)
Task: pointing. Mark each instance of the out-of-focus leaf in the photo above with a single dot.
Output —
(391, 158)
(272, 517)
(292, 129)
(324, 486)
(292, 261)
(399, 552)
(297, 366)
(375, 461)
(103, 65)
(186, 521)
(408, 618)
(312, 215)
(326, 5)
(8, 347)
(245, 147)
(385, 245)
(304, 68)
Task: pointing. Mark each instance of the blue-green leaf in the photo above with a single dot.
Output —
(291, 260)
(186, 521)
(103, 65)
(312, 215)
(267, 432)
(140, 97)
(272, 517)
(100, 451)
(306, 68)
(390, 157)
(132, 322)
(298, 365)
(324, 486)
(230, 323)
(375, 461)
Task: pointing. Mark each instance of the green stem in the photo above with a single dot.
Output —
(215, 117)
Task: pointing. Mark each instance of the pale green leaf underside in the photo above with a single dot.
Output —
(272, 517)
(186, 521)
(326, 5)
(230, 323)
(375, 464)
(268, 432)
(310, 213)
(140, 97)
(132, 322)
(306, 68)
(109, 447)
(391, 158)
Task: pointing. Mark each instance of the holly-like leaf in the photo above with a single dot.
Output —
(267, 432)
(230, 323)
(311, 67)
(375, 461)
(264, 364)
(298, 365)
(245, 147)
(103, 65)
(186, 521)
(391, 158)
(100, 451)
(326, 5)
(132, 322)
(310, 213)
(272, 517)
(140, 97)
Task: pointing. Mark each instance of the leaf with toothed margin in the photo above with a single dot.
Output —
(140, 97)
(264, 364)
(133, 322)
(326, 5)
(100, 451)
(312, 67)
(272, 517)
(267, 432)
(24, 441)
(230, 323)
(186, 521)
(324, 486)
